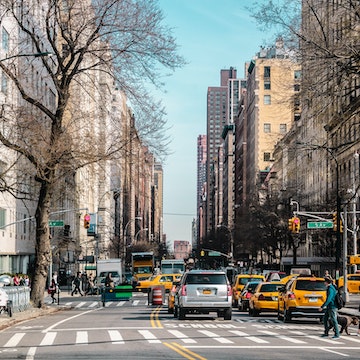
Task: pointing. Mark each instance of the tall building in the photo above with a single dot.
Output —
(201, 185)
(217, 118)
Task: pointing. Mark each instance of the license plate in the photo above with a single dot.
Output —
(207, 292)
(313, 299)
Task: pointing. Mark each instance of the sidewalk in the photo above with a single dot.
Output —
(31, 313)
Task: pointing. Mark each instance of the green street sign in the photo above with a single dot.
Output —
(214, 253)
(56, 223)
(320, 225)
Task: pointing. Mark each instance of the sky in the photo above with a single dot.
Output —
(211, 35)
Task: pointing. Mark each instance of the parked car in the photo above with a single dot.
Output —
(204, 291)
(353, 283)
(240, 281)
(265, 298)
(246, 294)
(165, 280)
(301, 297)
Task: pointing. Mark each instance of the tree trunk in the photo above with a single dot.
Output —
(43, 247)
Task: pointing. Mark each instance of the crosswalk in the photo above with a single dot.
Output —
(94, 304)
(223, 337)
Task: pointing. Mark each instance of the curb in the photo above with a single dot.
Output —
(28, 314)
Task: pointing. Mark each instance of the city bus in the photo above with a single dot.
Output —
(172, 266)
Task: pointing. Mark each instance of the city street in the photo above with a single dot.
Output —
(135, 330)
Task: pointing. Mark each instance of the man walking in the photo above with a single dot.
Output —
(77, 283)
(331, 309)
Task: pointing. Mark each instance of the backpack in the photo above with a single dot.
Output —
(339, 301)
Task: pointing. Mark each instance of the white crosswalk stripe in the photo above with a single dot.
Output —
(188, 337)
(48, 339)
(14, 340)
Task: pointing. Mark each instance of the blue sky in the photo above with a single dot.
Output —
(212, 35)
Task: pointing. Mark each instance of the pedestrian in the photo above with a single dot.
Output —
(16, 280)
(134, 281)
(90, 285)
(330, 309)
(52, 288)
(327, 275)
(77, 282)
(109, 282)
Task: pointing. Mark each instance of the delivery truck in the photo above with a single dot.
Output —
(112, 266)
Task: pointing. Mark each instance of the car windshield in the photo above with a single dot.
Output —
(251, 286)
(310, 285)
(206, 279)
(270, 287)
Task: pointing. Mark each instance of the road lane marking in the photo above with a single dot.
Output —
(150, 337)
(121, 303)
(216, 337)
(283, 337)
(80, 304)
(154, 318)
(248, 337)
(14, 340)
(181, 336)
(116, 337)
(48, 339)
(68, 319)
(334, 352)
(135, 302)
(318, 338)
(93, 304)
(188, 354)
(31, 353)
(81, 337)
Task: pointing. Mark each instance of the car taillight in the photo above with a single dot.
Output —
(229, 290)
(183, 290)
(292, 296)
(248, 295)
(261, 297)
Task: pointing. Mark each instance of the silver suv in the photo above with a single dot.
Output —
(204, 291)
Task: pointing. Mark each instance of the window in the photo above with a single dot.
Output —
(266, 71)
(4, 83)
(267, 156)
(297, 74)
(5, 40)
(267, 85)
(267, 99)
(283, 128)
(267, 127)
(296, 87)
(2, 217)
(297, 117)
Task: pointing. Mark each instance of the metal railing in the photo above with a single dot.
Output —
(19, 296)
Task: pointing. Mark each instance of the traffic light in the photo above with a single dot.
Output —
(86, 221)
(291, 224)
(296, 227)
(341, 226)
(335, 221)
(353, 259)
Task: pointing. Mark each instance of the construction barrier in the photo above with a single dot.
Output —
(156, 295)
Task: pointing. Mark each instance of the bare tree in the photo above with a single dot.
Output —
(50, 131)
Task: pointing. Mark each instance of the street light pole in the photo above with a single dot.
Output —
(231, 242)
(137, 234)
(125, 233)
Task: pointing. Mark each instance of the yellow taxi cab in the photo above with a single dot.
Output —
(240, 281)
(165, 280)
(353, 283)
(265, 298)
(301, 297)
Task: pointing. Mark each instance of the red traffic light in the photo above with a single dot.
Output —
(87, 218)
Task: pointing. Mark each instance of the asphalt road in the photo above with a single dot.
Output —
(134, 330)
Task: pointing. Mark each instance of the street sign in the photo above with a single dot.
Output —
(56, 223)
(320, 225)
(214, 253)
